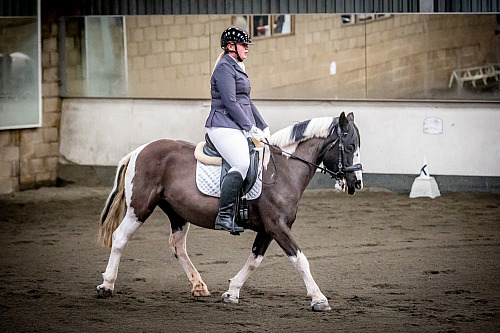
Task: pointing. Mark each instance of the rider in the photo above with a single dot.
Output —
(233, 117)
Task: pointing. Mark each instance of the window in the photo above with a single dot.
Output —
(20, 84)
(348, 19)
(265, 25)
(95, 56)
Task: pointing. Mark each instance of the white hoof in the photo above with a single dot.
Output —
(321, 306)
(228, 298)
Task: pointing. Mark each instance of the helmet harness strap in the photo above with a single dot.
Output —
(235, 51)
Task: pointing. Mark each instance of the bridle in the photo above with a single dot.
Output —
(342, 165)
(340, 174)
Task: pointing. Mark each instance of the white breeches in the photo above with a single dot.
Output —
(233, 147)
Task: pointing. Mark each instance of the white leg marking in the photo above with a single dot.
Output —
(357, 159)
(121, 236)
(233, 293)
(177, 242)
(300, 262)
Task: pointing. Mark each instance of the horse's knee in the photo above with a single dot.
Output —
(300, 261)
(252, 265)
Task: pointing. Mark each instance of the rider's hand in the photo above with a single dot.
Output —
(267, 133)
(257, 133)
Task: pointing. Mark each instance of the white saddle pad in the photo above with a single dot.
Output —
(208, 181)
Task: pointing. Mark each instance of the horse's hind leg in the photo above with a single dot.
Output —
(177, 242)
(121, 236)
(260, 245)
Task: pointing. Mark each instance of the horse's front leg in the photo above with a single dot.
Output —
(177, 242)
(121, 236)
(282, 235)
(260, 245)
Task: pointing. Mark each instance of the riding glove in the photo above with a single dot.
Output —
(267, 133)
(257, 134)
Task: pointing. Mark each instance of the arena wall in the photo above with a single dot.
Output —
(168, 57)
(394, 139)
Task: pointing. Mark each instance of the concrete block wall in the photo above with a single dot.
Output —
(407, 56)
(298, 65)
(28, 157)
(9, 161)
(73, 50)
(170, 56)
(410, 56)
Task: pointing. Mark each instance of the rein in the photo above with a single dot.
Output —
(339, 175)
(336, 175)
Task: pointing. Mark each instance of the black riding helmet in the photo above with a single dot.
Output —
(234, 35)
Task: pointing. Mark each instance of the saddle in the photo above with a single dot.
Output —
(212, 168)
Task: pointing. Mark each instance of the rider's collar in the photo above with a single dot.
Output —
(240, 63)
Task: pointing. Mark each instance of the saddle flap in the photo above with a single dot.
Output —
(209, 148)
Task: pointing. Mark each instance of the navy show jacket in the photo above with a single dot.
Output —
(231, 104)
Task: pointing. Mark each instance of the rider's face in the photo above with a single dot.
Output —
(242, 50)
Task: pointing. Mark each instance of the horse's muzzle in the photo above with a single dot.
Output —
(357, 184)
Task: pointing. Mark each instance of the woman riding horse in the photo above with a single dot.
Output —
(162, 174)
(233, 117)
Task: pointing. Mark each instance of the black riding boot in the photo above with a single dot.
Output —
(230, 189)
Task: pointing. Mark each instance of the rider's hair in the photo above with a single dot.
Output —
(218, 59)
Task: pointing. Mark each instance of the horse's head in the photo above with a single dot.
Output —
(342, 154)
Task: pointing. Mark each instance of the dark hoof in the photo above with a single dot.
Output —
(103, 292)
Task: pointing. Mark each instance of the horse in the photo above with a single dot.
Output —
(162, 174)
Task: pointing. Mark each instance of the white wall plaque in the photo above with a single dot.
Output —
(433, 125)
(333, 68)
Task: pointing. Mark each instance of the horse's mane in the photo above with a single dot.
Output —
(313, 128)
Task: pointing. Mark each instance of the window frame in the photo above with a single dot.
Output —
(38, 123)
(363, 18)
(271, 18)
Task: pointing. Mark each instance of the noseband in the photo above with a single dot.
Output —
(339, 175)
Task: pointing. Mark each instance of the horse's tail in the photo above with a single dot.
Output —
(115, 207)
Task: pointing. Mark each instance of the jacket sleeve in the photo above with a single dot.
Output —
(259, 121)
(226, 84)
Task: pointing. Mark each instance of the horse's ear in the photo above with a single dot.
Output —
(343, 122)
(350, 117)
